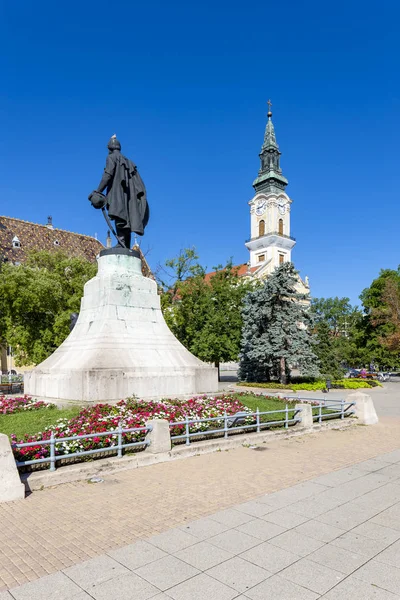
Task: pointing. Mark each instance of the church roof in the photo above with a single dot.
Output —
(18, 238)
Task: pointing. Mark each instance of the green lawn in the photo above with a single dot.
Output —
(33, 421)
(265, 404)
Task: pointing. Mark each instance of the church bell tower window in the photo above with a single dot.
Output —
(280, 226)
(261, 228)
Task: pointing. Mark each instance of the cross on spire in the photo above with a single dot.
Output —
(269, 108)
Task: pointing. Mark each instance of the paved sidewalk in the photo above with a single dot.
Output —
(337, 536)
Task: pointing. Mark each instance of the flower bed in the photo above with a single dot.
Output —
(129, 414)
(12, 405)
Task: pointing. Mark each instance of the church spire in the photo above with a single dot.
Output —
(270, 176)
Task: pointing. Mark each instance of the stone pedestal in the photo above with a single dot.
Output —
(120, 345)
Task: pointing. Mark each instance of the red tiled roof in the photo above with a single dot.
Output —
(242, 270)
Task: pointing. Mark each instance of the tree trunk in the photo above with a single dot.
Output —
(283, 377)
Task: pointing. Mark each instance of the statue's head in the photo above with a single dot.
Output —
(113, 143)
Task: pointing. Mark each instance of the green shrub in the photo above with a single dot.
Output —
(341, 384)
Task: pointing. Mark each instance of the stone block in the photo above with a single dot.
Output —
(11, 487)
(364, 408)
(159, 436)
(305, 415)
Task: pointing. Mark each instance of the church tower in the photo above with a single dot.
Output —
(270, 244)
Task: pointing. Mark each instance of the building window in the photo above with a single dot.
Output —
(261, 257)
(15, 242)
(281, 259)
(261, 228)
(280, 227)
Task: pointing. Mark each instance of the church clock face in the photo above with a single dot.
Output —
(260, 207)
(281, 206)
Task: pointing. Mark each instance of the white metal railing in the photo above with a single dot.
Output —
(233, 423)
(336, 407)
(116, 434)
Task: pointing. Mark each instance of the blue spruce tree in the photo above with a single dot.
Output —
(277, 330)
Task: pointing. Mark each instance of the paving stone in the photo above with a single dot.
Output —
(312, 508)
(57, 586)
(166, 572)
(136, 555)
(358, 590)
(349, 517)
(382, 498)
(340, 476)
(126, 587)
(97, 570)
(203, 555)
(294, 494)
(360, 486)
(173, 540)
(377, 532)
(297, 543)
(392, 471)
(280, 589)
(269, 557)
(391, 556)
(285, 518)
(380, 574)
(204, 528)
(389, 517)
(230, 517)
(202, 587)
(360, 544)
(371, 465)
(263, 530)
(391, 457)
(234, 541)
(338, 559)
(319, 531)
(239, 574)
(254, 509)
(316, 578)
(5, 596)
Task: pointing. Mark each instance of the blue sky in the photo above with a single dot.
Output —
(184, 85)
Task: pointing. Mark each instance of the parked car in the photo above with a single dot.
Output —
(352, 373)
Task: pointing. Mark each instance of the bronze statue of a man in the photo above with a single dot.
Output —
(126, 199)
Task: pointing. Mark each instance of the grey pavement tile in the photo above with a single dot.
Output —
(94, 571)
(263, 530)
(389, 517)
(354, 542)
(230, 517)
(202, 587)
(254, 508)
(358, 590)
(391, 457)
(347, 517)
(371, 465)
(277, 588)
(57, 586)
(173, 540)
(392, 471)
(136, 555)
(341, 476)
(203, 556)
(319, 531)
(382, 498)
(127, 587)
(294, 494)
(5, 596)
(338, 559)
(234, 541)
(313, 507)
(204, 528)
(166, 572)
(316, 578)
(381, 575)
(360, 486)
(161, 596)
(391, 556)
(239, 574)
(297, 543)
(285, 518)
(269, 557)
(377, 532)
